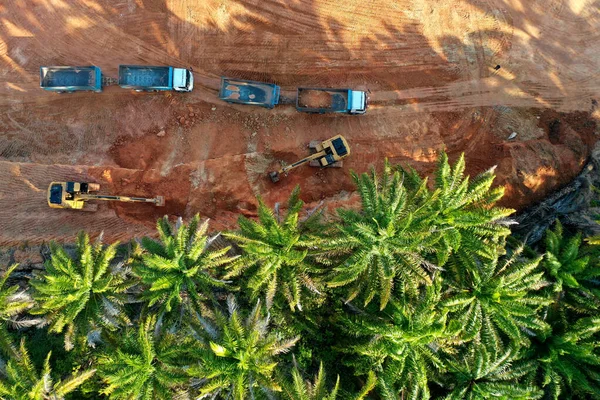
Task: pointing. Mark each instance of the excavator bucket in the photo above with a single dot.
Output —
(274, 176)
(160, 201)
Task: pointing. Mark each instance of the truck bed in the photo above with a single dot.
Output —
(70, 78)
(249, 92)
(145, 77)
(322, 100)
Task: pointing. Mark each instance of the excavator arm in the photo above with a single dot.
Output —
(158, 200)
(275, 174)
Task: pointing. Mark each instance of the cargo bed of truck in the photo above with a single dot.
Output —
(322, 100)
(249, 92)
(145, 77)
(71, 78)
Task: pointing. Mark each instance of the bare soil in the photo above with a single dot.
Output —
(428, 64)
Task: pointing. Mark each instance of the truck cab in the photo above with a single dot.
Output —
(183, 80)
(358, 102)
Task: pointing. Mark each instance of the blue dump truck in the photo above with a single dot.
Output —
(71, 79)
(319, 100)
(143, 78)
(249, 92)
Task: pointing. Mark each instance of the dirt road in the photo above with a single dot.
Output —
(431, 67)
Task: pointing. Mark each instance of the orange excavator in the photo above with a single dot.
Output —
(328, 153)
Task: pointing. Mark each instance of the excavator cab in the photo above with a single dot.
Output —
(74, 195)
(328, 153)
(64, 194)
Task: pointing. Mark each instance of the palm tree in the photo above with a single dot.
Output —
(145, 366)
(301, 389)
(388, 241)
(276, 253)
(239, 355)
(12, 300)
(404, 345)
(464, 209)
(19, 379)
(568, 359)
(12, 303)
(574, 275)
(82, 294)
(485, 296)
(179, 270)
(480, 374)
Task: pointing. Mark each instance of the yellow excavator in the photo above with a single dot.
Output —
(328, 153)
(74, 195)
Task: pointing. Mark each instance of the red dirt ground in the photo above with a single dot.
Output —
(429, 65)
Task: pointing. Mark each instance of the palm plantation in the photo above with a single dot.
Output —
(413, 294)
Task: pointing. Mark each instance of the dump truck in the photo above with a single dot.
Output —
(71, 79)
(249, 92)
(143, 78)
(320, 100)
(75, 195)
(328, 153)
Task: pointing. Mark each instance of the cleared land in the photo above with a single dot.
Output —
(429, 65)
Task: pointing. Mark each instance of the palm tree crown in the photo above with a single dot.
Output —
(180, 270)
(145, 366)
(481, 374)
(464, 210)
(12, 300)
(388, 240)
(300, 389)
(19, 379)
(569, 358)
(404, 345)
(574, 276)
(485, 296)
(82, 294)
(276, 253)
(239, 355)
